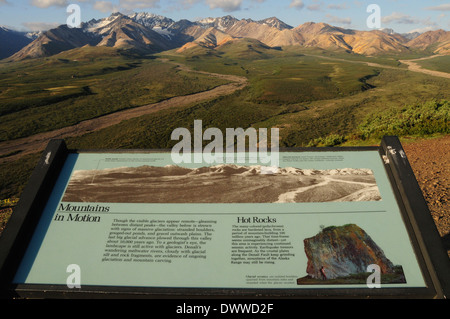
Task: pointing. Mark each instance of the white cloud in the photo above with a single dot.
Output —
(124, 6)
(338, 20)
(2, 2)
(442, 7)
(225, 5)
(39, 26)
(138, 4)
(298, 4)
(422, 30)
(188, 3)
(314, 7)
(401, 18)
(104, 6)
(338, 6)
(429, 22)
(49, 3)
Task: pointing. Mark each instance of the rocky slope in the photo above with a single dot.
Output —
(325, 36)
(436, 41)
(124, 33)
(55, 41)
(211, 38)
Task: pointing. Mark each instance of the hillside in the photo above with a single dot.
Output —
(435, 41)
(124, 33)
(55, 41)
(210, 39)
(11, 42)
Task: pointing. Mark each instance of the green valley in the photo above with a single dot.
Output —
(315, 97)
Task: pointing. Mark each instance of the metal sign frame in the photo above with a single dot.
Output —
(425, 240)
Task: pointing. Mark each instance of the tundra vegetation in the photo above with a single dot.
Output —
(315, 97)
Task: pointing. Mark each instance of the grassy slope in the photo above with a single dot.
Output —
(316, 97)
(51, 93)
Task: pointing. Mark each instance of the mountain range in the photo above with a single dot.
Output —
(149, 33)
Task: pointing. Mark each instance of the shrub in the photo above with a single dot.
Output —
(418, 119)
(328, 141)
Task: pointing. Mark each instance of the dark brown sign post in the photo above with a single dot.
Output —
(339, 222)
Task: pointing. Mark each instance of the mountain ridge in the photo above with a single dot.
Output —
(149, 33)
(13, 41)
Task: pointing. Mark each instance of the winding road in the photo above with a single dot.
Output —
(38, 142)
(413, 66)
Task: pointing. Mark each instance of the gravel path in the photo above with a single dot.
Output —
(430, 161)
(413, 66)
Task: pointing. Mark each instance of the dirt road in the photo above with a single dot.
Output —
(413, 66)
(37, 142)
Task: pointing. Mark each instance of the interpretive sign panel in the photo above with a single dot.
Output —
(323, 223)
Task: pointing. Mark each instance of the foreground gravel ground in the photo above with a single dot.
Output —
(430, 161)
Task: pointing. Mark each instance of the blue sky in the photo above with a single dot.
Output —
(401, 15)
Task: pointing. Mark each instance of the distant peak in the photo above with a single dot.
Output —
(320, 24)
(387, 30)
(114, 16)
(315, 26)
(440, 31)
(229, 17)
(147, 15)
(275, 23)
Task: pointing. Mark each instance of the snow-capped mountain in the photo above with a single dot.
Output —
(275, 23)
(147, 33)
(153, 21)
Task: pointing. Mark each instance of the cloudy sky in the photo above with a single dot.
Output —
(401, 15)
